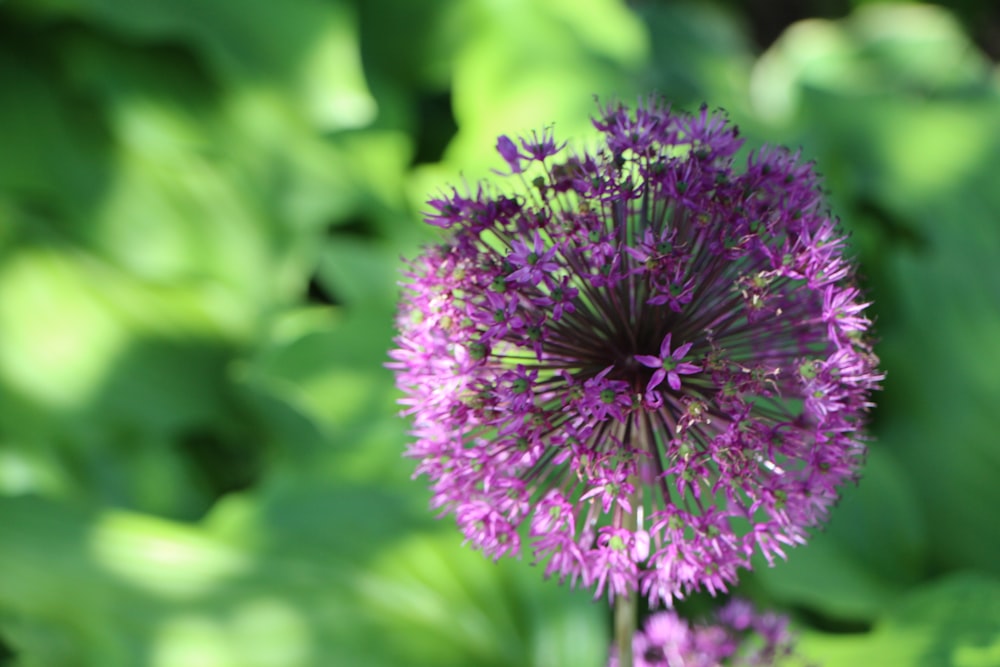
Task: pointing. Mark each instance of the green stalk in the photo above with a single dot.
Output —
(626, 610)
(625, 613)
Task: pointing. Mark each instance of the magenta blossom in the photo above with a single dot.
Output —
(640, 365)
(668, 365)
(737, 636)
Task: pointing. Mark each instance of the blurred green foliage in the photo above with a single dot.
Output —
(202, 209)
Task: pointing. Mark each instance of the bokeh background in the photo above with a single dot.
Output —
(203, 204)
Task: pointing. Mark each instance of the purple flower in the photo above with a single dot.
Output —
(669, 365)
(640, 365)
(532, 262)
(737, 636)
(508, 151)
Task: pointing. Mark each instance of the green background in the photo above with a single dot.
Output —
(203, 205)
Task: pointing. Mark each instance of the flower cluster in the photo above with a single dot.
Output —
(737, 637)
(642, 364)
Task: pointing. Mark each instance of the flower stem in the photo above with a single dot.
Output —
(625, 613)
(626, 609)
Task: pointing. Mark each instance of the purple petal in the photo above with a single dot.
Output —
(508, 151)
(649, 360)
(665, 345)
(681, 351)
(600, 376)
(674, 380)
(539, 245)
(653, 399)
(657, 378)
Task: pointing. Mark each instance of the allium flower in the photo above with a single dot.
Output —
(738, 636)
(641, 365)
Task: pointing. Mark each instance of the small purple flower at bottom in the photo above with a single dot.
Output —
(640, 365)
(737, 636)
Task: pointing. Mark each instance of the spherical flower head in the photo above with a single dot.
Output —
(640, 364)
(736, 636)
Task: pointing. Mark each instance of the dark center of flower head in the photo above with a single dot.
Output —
(649, 333)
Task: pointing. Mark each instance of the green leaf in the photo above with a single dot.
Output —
(362, 274)
(525, 65)
(104, 396)
(325, 367)
(287, 580)
(700, 55)
(952, 621)
(435, 594)
(882, 50)
(309, 49)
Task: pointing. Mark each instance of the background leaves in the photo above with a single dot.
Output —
(202, 210)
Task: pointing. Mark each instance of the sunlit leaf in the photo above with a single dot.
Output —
(949, 622)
